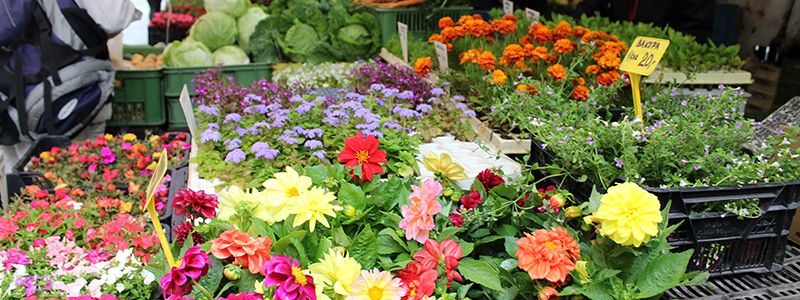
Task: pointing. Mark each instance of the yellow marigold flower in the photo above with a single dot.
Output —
(312, 206)
(46, 155)
(336, 270)
(628, 214)
(498, 77)
(444, 166)
(108, 137)
(152, 166)
(129, 137)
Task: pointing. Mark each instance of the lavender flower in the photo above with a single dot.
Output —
(319, 154)
(590, 141)
(312, 144)
(392, 125)
(355, 96)
(424, 107)
(235, 156)
(287, 138)
(376, 87)
(367, 126)
(233, 117)
(458, 98)
(262, 149)
(696, 167)
(210, 135)
(469, 113)
(405, 95)
(304, 108)
(408, 113)
(618, 162)
(210, 110)
(433, 99)
(437, 91)
(390, 92)
(296, 98)
(313, 133)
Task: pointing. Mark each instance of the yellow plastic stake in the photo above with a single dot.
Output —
(155, 180)
(641, 60)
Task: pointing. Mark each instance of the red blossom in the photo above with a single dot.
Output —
(196, 204)
(472, 200)
(489, 179)
(363, 151)
(456, 219)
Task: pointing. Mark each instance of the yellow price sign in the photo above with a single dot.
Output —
(641, 60)
(155, 180)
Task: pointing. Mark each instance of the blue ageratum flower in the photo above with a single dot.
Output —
(437, 91)
(262, 150)
(236, 156)
(312, 144)
(405, 95)
(210, 134)
(376, 87)
(233, 117)
(424, 107)
(232, 143)
(209, 110)
(313, 133)
(319, 154)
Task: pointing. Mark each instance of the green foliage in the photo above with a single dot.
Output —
(480, 272)
(247, 25)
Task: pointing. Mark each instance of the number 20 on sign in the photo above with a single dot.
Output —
(641, 60)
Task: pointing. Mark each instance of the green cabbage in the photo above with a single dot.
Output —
(358, 38)
(230, 55)
(188, 53)
(263, 41)
(234, 8)
(214, 29)
(298, 42)
(247, 24)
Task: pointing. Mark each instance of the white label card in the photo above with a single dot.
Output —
(188, 112)
(402, 30)
(508, 7)
(441, 54)
(533, 15)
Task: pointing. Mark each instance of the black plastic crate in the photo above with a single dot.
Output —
(543, 157)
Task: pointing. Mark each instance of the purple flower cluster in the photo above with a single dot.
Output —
(392, 79)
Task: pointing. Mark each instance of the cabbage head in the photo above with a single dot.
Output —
(359, 38)
(230, 55)
(188, 53)
(247, 24)
(214, 29)
(234, 8)
(300, 39)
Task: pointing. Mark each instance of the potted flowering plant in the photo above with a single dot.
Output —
(177, 21)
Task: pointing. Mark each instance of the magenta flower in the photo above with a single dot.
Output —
(179, 280)
(107, 155)
(286, 273)
(244, 296)
(197, 204)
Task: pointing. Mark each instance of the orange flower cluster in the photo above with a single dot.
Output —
(498, 77)
(524, 88)
(548, 254)
(486, 60)
(557, 71)
(503, 26)
(423, 66)
(513, 53)
(563, 46)
(446, 22)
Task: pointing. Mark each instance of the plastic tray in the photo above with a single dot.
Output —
(421, 21)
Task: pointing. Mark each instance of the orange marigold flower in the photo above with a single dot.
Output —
(246, 251)
(539, 52)
(513, 53)
(511, 18)
(562, 29)
(503, 26)
(548, 293)
(478, 27)
(614, 47)
(525, 40)
(609, 60)
(579, 30)
(486, 60)
(453, 33)
(548, 254)
(470, 56)
(450, 47)
(463, 19)
(423, 66)
(446, 22)
(498, 77)
(608, 78)
(557, 71)
(580, 93)
(592, 35)
(436, 38)
(520, 64)
(592, 69)
(524, 88)
(579, 81)
(541, 33)
(564, 46)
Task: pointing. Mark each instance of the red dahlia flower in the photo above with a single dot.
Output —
(489, 179)
(471, 200)
(360, 150)
(418, 281)
(434, 253)
(196, 203)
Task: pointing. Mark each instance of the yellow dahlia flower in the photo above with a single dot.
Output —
(336, 270)
(628, 214)
(284, 188)
(376, 285)
(443, 165)
(233, 201)
(312, 206)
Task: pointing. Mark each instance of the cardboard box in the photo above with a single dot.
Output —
(794, 231)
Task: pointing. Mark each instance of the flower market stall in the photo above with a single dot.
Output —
(305, 149)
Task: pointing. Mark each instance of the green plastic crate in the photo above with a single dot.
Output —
(175, 119)
(421, 21)
(138, 99)
(175, 78)
(129, 50)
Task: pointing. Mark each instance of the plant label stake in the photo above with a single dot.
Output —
(3, 182)
(641, 60)
(188, 112)
(533, 15)
(508, 7)
(155, 180)
(402, 30)
(441, 54)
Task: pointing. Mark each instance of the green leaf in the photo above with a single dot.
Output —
(318, 174)
(509, 293)
(246, 281)
(594, 200)
(387, 244)
(480, 233)
(480, 272)
(339, 237)
(322, 248)
(466, 248)
(511, 245)
(507, 229)
(281, 244)
(365, 248)
(663, 273)
(463, 290)
(350, 194)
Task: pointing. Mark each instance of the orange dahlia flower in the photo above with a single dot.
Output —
(486, 60)
(503, 26)
(608, 78)
(580, 93)
(423, 66)
(548, 293)
(246, 251)
(548, 254)
(498, 77)
(446, 22)
(557, 71)
(564, 46)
